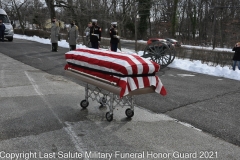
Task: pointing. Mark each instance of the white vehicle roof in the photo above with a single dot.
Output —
(2, 12)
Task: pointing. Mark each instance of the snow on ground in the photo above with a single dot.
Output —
(184, 64)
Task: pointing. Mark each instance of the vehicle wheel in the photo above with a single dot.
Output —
(173, 52)
(10, 39)
(109, 117)
(129, 113)
(159, 52)
(84, 103)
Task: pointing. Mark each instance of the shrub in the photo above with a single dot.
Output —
(28, 32)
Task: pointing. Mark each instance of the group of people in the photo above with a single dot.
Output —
(72, 35)
(92, 32)
(93, 35)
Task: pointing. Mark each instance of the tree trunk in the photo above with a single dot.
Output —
(19, 16)
(174, 18)
(51, 8)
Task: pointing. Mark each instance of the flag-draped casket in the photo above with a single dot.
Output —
(128, 71)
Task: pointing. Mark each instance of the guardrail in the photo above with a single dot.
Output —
(209, 57)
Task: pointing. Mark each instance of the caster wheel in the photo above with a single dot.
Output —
(129, 113)
(103, 101)
(84, 103)
(109, 117)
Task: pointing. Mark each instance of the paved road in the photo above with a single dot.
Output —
(128, 45)
(40, 110)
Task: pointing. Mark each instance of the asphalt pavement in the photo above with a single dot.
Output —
(41, 117)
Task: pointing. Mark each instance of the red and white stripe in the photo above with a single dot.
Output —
(125, 64)
(120, 63)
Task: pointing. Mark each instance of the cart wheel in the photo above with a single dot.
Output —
(109, 117)
(102, 101)
(173, 52)
(159, 52)
(84, 103)
(129, 113)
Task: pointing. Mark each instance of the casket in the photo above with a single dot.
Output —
(128, 71)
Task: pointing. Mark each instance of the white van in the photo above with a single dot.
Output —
(9, 29)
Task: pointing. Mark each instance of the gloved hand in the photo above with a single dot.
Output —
(115, 36)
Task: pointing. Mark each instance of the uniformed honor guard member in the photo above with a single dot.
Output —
(54, 34)
(95, 34)
(73, 36)
(114, 37)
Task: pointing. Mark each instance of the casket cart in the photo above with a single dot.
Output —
(113, 79)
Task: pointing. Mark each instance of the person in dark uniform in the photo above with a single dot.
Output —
(2, 30)
(54, 34)
(114, 37)
(236, 56)
(95, 34)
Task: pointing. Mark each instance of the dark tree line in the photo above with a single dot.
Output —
(206, 22)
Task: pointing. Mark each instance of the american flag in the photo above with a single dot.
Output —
(128, 71)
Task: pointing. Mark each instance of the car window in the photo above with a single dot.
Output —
(4, 18)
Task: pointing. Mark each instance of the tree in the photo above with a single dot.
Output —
(174, 18)
(17, 9)
(195, 21)
(51, 8)
(144, 7)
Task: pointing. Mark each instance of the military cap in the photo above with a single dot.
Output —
(114, 23)
(94, 20)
